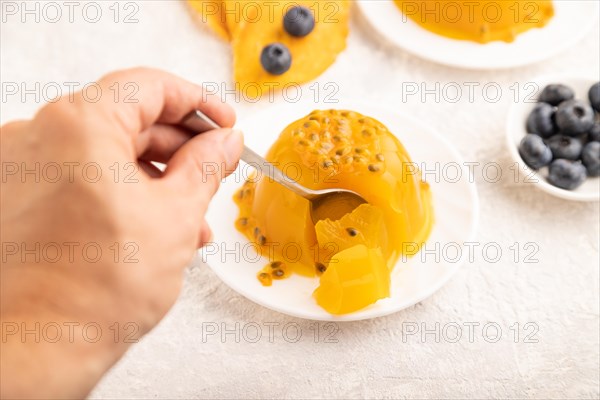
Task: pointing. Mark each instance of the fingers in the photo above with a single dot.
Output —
(197, 168)
(156, 97)
(131, 104)
(160, 142)
(206, 234)
(150, 169)
(12, 128)
(134, 100)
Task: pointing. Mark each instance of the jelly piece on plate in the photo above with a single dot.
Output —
(355, 278)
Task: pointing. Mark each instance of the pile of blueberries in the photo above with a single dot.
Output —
(564, 134)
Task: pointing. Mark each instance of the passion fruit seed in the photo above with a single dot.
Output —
(337, 138)
(265, 279)
(359, 150)
(321, 267)
(352, 232)
(361, 121)
(374, 168)
(243, 221)
(367, 133)
(379, 157)
(314, 137)
(326, 146)
(345, 131)
(327, 163)
(256, 231)
(262, 240)
(312, 124)
(359, 160)
(276, 264)
(303, 142)
(278, 273)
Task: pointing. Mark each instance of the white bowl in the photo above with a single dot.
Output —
(572, 21)
(515, 131)
(234, 260)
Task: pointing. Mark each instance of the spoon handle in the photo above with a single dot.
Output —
(198, 122)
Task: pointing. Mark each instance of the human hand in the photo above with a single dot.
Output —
(146, 223)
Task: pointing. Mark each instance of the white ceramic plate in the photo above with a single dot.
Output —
(572, 20)
(515, 131)
(234, 260)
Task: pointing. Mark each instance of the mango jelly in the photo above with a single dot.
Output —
(336, 149)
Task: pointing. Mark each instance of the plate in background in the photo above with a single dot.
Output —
(571, 22)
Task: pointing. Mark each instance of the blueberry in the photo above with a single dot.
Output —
(541, 120)
(594, 132)
(299, 21)
(574, 117)
(534, 151)
(591, 158)
(276, 59)
(594, 95)
(566, 174)
(566, 147)
(556, 93)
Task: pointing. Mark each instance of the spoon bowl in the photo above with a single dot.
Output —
(333, 204)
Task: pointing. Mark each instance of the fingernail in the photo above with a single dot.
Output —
(233, 147)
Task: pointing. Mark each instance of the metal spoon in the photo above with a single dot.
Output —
(327, 203)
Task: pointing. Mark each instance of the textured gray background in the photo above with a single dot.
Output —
(559, 294)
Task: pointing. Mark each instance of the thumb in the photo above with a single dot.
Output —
(198, 167)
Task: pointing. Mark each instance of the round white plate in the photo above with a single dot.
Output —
(515, 131)
(572, 20)
(234, 260)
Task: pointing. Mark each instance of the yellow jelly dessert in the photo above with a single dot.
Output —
(269, 53)
(353, 255)
(478, 21)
